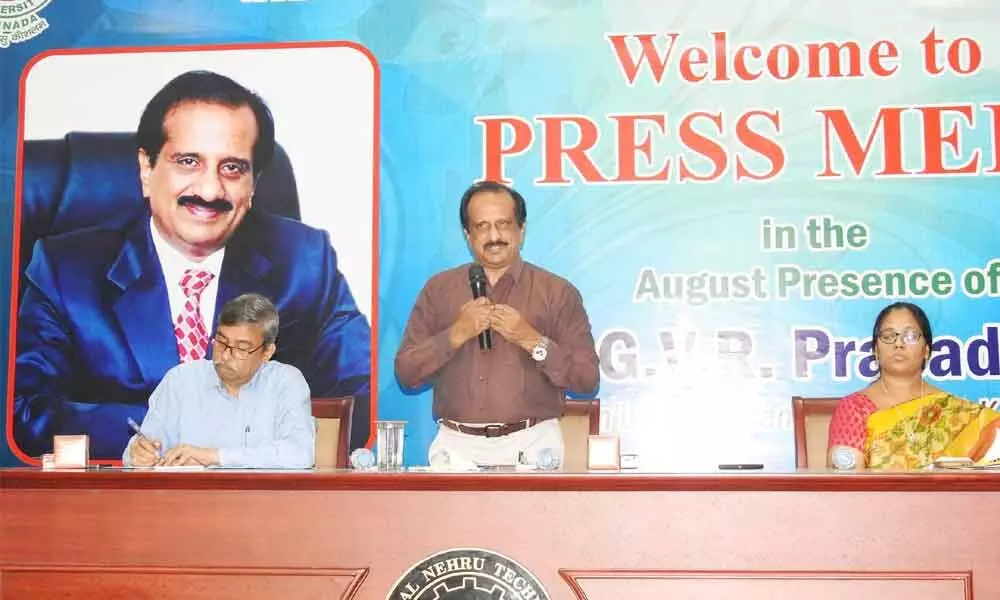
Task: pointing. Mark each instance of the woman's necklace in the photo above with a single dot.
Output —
(885, 388)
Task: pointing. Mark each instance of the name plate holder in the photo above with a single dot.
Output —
(70, 451)
(604, 453)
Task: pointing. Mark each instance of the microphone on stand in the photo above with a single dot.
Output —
(477, 281)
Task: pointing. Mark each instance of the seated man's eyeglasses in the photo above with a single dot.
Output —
(909, 336)
(234, 351)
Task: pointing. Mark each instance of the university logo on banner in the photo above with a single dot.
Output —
(20, 21)
(467, 574)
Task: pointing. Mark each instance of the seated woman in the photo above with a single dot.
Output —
(900, 421)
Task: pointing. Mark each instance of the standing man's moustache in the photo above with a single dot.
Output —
(219, 205)
(492, 244)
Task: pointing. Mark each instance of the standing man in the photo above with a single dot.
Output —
(105, 313)
(498, 393)
(239, 409)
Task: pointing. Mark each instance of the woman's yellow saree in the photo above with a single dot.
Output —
(914, 434)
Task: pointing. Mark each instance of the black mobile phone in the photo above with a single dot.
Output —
(741, 467)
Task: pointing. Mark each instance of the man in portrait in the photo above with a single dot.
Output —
(105, 313)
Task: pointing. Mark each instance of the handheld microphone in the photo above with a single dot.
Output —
(477, 281)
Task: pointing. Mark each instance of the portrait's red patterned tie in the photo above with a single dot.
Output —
(192, 337)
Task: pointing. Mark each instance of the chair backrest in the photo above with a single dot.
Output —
(580, 420)
(811, 417)
(333, 430)
(90, 179)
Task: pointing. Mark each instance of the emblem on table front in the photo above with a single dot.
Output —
(467, 574)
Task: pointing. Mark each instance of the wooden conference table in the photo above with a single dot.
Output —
(600, 536)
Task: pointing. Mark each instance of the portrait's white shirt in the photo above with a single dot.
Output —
(174, 264)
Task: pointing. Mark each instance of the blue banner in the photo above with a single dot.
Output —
(736, 188)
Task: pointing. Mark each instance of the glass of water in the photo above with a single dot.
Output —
(389, 444)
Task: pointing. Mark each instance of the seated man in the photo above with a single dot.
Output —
(237, 409)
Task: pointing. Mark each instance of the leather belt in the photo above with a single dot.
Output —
(491, 431)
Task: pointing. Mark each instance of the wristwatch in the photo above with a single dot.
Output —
(541, 349)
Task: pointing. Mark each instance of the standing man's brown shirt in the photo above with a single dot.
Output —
(503, 384)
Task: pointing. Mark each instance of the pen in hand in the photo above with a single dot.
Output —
(138, 432)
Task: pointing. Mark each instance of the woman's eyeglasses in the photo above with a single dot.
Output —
(909, 336)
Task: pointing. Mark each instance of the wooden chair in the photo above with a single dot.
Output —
(812, 430)
(580, 420)
(333, 430)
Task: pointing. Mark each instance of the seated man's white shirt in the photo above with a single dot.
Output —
(269, 425)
